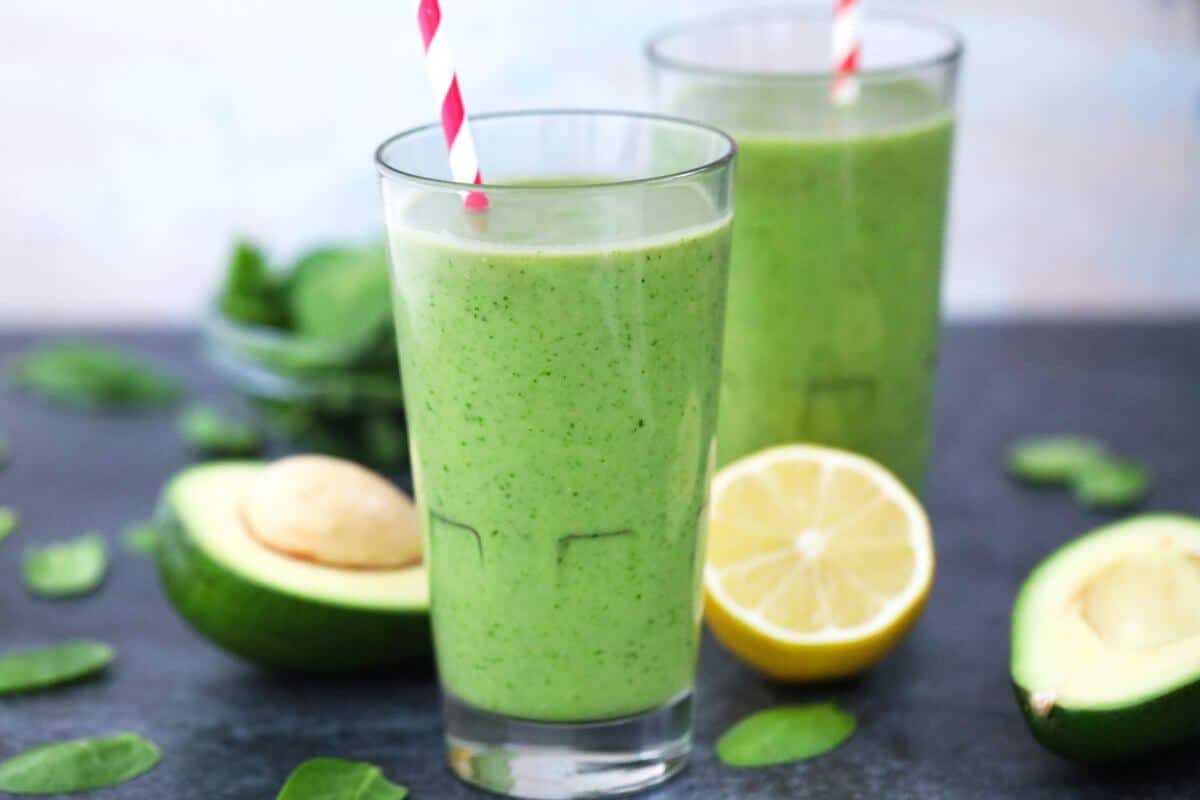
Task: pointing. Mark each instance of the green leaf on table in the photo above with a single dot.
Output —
(42, 667)
(210, 433)
(252, 294)
(335, 779)
(1052, 460)
(141, 537)
(784, 734)
(84, 375)
(68, 568)
(1111, 483)
(78, 765)
(342, 294)
(9, 519)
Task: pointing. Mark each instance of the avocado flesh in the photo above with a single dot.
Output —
(273, 609)
(1106, 641)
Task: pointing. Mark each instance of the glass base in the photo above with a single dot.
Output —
(550, 760)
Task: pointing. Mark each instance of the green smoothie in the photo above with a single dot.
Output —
(562, 402)
(832, 326)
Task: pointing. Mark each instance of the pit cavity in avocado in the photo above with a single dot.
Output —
(1106, 641)
(272, 608)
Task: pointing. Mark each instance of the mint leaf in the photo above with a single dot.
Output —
(784, 734)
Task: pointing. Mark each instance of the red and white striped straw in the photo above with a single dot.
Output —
(439, 64)
(847, 47)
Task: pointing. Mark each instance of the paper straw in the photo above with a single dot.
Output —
(439, 64)
(847, 46)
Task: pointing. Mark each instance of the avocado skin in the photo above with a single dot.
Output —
(283, 631)
(1110, 736)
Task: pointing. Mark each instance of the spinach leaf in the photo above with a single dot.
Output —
(252, 294)
(211, 433)
(784, 734)
(1111, 483)
(1052, 460)
(9, 519)
(141, 537)
(335, 779)
(78, 765)
(56, 664)
(90, 376)
(342, 294)
(66, 569)
(386, 439)
(353, 433)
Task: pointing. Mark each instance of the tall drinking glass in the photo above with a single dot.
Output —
(832, 328)
(561, 356)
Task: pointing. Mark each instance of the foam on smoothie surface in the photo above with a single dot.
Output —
(547, 222)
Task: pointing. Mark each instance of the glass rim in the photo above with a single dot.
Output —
(387, 170)
(954, 44)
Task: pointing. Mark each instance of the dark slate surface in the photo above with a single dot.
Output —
(936, 719)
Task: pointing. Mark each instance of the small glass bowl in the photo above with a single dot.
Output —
(317, 396)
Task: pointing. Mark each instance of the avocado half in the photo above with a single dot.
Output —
(274, 609)
(1106, 641)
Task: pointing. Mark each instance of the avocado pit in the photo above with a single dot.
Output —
(332, 512)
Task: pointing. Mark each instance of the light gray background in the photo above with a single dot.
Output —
(138, 136)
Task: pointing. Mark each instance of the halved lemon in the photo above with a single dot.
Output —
(819, 561)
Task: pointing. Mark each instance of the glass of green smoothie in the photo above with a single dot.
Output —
(561, 353)
(835, 277)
